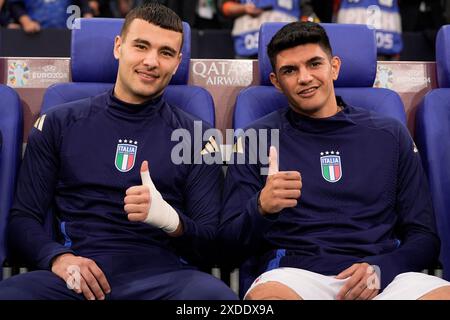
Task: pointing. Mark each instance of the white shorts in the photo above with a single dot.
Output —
(314, 286)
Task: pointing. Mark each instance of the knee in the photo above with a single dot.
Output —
(272, 290)
(35, 285)
(209, 289)
(11, 289)
(442, 293)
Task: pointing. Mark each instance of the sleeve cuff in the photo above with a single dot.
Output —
(54, 250)
(262, 222)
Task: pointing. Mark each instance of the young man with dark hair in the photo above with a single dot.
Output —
(345, 210)
(120, 238)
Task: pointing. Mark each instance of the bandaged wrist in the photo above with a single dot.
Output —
(161, 214)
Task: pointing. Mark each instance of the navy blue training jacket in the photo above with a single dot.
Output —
(364, 197)
(80, 159)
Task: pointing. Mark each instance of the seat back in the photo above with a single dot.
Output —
(355, 82)
(433, 140)
(358, 54)
(94, 70)
(11, 128)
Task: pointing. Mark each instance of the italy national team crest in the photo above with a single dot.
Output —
(125, 155)
(330, 163)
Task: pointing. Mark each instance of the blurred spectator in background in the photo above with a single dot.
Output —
(36, 14)
(425, 17)
(120, 8)
(336, 5)
(5, 16)
(384, 16)
(4, 19)
(447, 11)
(200, 14)
(419, 15)
(250, 14)
(100, 8)
(323, 9)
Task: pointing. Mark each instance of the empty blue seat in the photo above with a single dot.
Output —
(433, 140)
(11, 128)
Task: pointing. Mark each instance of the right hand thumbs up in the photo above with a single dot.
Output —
(282, 188)
(145, 203)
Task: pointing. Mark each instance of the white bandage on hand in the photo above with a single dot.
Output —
(161, 214)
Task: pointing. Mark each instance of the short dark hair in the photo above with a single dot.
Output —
(295, 34)
(156, 14)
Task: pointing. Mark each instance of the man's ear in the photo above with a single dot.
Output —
(274, 80)
(180, 56)
(117, 47)
(335, 67)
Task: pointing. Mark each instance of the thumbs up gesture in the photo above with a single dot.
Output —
(282, 189)
(145, 203)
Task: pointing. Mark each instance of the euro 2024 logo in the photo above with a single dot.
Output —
(385, 77)
(18, 74)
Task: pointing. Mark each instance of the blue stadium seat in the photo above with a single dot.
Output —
(358, 53)
(11, 127)
(356, 46)
(433, 140)
(94, 70)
